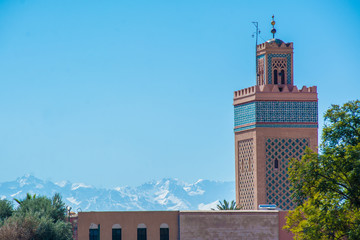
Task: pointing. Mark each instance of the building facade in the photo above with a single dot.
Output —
(274, 121)
(183, 225)
(141, 225)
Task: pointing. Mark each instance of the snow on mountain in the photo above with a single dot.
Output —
(61, 183)
(73, 201)
(79, 185)
(164, 194)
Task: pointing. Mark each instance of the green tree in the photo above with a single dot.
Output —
(326, 186)
(54, 208)
(37, 218)
(6, 209)
(225, 205)
(28, 196)
(16, 227)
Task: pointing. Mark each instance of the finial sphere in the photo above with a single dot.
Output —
(273, 23)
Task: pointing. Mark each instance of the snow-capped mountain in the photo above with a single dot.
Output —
(165, 194)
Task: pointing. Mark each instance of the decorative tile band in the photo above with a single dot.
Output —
(244, 114)
(276, 126)
(288, 125)
(276, 112)
(297, 112)
(244, 128)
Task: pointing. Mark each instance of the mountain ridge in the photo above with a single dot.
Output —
(163, 194)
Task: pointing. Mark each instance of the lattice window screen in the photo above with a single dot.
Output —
(277, 184)
(246, 172)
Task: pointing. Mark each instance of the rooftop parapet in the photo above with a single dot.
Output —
(273, 88)
(274, 43)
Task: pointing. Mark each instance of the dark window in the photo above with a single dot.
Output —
(275, 77)
(276, 163)
(282, 74)
(94, 234)
(116, 234)
(141, 234)
(164, 234)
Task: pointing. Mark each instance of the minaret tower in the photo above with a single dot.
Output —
(274, 121)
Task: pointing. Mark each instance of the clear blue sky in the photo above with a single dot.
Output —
(120, 92)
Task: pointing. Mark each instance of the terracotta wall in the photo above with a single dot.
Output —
(128, 222)
(229, 225)
(284, 234)
(190, 225)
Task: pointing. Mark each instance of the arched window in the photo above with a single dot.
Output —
(275, 77)
(282, 75)
(276, 163)
(164, 231)
(141, 232)
(116, 232)
(94, 232)
(279, 66)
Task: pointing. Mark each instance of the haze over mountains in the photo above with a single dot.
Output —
(165, 194)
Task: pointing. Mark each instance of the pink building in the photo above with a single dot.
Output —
(183, 225)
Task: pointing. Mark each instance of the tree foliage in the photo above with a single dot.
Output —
(37, 218)
(6, 209)
(326, 186)
(53, 208)
(28, 197)
(225, 205)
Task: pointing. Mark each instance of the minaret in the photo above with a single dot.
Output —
(274, 121)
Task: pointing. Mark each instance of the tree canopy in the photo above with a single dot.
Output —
(6, 209)
(326, 186)
(36, 218)
(225, 205)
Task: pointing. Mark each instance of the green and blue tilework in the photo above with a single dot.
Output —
(244, 128)
(276, 126)
(244, 114)
(296, 112)
(277, 184)
(276, 112)
(288, 57)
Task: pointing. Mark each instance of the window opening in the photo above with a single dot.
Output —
(116, 232)
(94, 232)
(141, 234)
(282, 74)
(275, 77)
(164, 232)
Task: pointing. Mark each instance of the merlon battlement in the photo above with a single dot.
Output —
(274, 43)
(273, 88)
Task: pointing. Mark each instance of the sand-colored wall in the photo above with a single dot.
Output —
(128, 222)
(284, 234)
(229, 225)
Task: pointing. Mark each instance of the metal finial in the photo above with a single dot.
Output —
(273, 30)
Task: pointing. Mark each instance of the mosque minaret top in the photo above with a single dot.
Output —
(274, 62)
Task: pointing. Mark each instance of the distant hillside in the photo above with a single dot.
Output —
(165, 194)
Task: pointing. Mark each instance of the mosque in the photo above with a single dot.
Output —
(274, 121)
